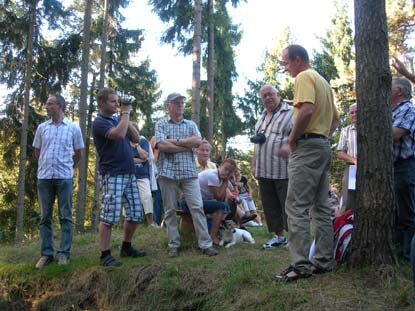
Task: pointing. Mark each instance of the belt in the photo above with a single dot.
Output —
(311, 135)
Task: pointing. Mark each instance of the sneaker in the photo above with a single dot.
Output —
(251, 223)
(132, 252)
(276, 241)
(210, 251)
(63, 260)
(109, 261)
(43, 261)
(173, 252)
(153, 225)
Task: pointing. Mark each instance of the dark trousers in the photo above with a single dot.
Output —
(405, 198)
(273, 194)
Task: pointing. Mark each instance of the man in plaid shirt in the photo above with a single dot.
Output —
(175, 139)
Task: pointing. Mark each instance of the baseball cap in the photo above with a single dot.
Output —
(174, 96)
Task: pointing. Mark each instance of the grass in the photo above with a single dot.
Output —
(238, 278)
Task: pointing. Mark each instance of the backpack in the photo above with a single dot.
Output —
(342, 228)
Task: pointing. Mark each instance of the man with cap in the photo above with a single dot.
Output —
(175, 139)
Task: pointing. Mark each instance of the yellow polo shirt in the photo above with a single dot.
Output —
(311, 87)
(200, 168)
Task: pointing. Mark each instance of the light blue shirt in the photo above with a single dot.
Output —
(57, 143)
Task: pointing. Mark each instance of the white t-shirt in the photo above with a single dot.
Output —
(208, 178)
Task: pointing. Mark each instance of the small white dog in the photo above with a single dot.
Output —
(230, 235)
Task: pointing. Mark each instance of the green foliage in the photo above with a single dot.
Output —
(401, 26)
(178, 15)
(271, 72)
(56, 70)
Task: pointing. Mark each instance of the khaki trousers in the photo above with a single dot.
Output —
(307, 200)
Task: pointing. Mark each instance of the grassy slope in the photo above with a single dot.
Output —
(237, 279)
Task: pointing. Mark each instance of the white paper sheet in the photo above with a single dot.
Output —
(352, 177)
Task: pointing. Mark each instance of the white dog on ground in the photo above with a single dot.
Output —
(230, 235)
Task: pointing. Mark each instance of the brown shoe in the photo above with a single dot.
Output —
(290, 274)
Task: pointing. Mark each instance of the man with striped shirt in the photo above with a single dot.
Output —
(403, 132)
(58, 147)
(268, 167)
(347, 151)
(175, 139)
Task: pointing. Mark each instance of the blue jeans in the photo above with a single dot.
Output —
(48, 190)
(209, 206)
(405, 198)
(157, 206)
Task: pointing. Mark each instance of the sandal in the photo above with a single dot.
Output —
(290, 274)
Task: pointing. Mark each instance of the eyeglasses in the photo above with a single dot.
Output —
(177, 102)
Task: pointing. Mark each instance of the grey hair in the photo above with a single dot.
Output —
(204, 141)
(268, 86)
(404, 85)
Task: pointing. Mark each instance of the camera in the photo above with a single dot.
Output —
(125, 100)
(259, 138)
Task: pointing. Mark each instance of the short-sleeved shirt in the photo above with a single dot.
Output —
(179, 165)
(115, 155)
(142, 170)
(312, 88)
(348, 141)
(208, 178)
(403, 116)
(57, 143)
(200, 168)
(268, 163)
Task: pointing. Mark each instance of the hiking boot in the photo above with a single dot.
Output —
(173, 252)
(275, 242)
(132, 252)
(210, 251)
(43, 261)
(63, 260)
(109, 261)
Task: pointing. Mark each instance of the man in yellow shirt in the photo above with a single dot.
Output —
(308, 150)
(203, 157)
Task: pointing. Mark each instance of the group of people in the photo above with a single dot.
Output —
(291, 161)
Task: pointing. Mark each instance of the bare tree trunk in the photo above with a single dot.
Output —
(23, 136)
(374, 214)
(82, 176)
(211, 72)
(196, 61)
(95, 204)
(101, 84)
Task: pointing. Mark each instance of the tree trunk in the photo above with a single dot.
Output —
(23, 136)
(197, 23)
(82, 176)
(95, 204)
(101, 84)
(374, 214)
(210, 72)
(104, 39)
